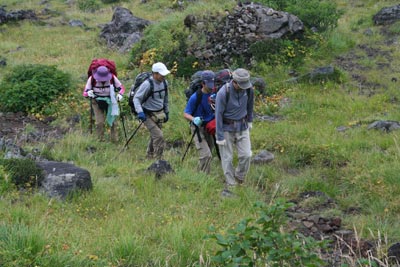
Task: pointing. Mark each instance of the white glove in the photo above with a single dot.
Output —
(221, 143)
(197, 121)
(119, 97)
(250, 124)
(91, 94)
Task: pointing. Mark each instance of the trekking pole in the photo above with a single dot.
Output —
(130, 138)
(123, 121)
(191, 140)
(91, 116)
(216, 147)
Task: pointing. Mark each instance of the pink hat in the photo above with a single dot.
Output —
(102, 74)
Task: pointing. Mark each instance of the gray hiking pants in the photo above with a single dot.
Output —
(242, 142)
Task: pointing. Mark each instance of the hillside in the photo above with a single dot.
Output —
(328, 160)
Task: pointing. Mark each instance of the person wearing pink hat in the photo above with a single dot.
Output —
(105, 91)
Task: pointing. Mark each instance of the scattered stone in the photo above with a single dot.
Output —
(263, 157)
(386, 126)
(160, 168)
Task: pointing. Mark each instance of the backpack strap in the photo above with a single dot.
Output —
(151, 92)
(227, 94)
(199, 96)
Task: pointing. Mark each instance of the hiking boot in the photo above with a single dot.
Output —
(227, 193)
(239, 180)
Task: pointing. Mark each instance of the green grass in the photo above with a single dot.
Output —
(132, 219)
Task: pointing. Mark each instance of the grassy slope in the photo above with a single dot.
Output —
(131, 216)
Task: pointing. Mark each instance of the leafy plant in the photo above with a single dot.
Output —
(23, 172)
(30, 88)
(263, 242)
(88, 5)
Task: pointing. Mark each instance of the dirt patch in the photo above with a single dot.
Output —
(21, 128)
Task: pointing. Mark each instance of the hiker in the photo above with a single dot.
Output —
(199, 112)
(104, 90)
(153, 112)
(234, 117)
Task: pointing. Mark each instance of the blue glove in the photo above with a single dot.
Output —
(197, 121)
(166, 117)
(142, 116)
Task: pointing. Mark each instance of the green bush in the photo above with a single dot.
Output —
(262, 242)
(313, 13)
(88, 5)
(30, 88)
(23, 172)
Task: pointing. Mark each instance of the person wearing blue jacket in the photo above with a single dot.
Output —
(234, 118)
(199, 112)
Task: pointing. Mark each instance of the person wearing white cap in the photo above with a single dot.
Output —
(199, 112)
(234, 117)
(151, 104)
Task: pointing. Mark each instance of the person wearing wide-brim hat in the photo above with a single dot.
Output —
(234, 117)
(105, 91)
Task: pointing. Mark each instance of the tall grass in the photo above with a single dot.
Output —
(132, 219)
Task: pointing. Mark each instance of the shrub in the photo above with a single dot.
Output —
(30, 88)
(23, 172)
(88, 5)
(262, 242)
(313, 13)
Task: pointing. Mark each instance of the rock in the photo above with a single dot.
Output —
(263, 157)
(160, 168)
(61, 179)
(386, 126)
(124, 29)
(387, 15)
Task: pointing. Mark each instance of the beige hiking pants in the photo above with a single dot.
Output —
(100, 118)
(155, 148)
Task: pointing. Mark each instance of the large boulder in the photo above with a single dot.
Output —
(124, 30)
(387, 15)
(62, 179)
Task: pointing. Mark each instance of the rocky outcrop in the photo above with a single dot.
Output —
(16, 15)
(124, 30)
(232, 35)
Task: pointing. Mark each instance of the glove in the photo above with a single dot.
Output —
(119, 97)
(142, 116)
(197, 121)
(221, 142)
(166, 117)
(91, 94)
(250, 124)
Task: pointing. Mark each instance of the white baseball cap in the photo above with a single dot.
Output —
(160, 68)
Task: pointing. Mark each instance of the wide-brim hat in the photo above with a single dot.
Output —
(242, 78)
(102, 74)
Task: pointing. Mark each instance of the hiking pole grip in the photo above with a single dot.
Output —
(190, 142)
